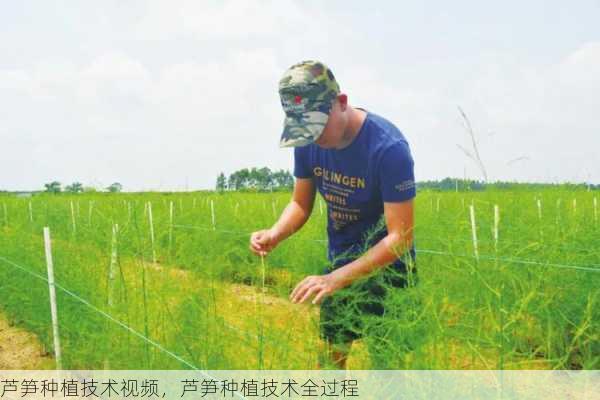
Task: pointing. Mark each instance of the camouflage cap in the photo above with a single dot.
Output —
(307, 91)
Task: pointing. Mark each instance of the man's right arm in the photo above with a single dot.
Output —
(291, 220)
(297, 212)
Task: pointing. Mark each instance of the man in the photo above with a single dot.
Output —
(362, 166)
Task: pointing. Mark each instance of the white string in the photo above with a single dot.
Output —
(111, 318)
(511, 260)
(589, 268)
(123, 325)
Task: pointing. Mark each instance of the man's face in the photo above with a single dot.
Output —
(333, 133)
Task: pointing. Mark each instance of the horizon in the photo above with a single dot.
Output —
(584, 185)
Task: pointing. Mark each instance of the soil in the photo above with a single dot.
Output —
(20, 349)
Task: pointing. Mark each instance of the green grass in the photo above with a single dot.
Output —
(202, 300)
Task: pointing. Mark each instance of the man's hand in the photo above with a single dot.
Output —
(317, 285)
(262, 242)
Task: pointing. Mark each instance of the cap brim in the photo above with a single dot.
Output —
(303, 130)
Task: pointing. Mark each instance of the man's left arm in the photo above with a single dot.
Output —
(399, 219)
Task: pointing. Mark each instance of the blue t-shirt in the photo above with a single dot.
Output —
(355, 181)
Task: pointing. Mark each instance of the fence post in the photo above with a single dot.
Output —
(52, 290)
(496, 223)
(170, 228)
(474, 231)
(74, 226)
(212, 212)
(149, 207)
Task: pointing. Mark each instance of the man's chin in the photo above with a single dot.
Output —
(323, 144)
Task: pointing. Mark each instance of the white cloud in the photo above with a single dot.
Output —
(190, 89)
(545, 112)
(168, 120)
(16, 80)
(194, 93)
(210, 20)
(112, 75)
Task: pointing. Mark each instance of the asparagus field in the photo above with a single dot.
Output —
(506, 280)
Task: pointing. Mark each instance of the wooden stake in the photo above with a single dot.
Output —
(149, 207)
(496, 224)
(170, 227)
(474, 231)
(74, 226)
(212, 212)
(114, 257)
(52, 290)
(90, 208)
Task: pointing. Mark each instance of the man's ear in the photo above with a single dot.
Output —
(342, 98)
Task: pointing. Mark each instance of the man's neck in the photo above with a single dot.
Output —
(356, 118)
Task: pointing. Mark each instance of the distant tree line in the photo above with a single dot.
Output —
(256, 179)
(452, 184)
(77, 187)
(263, 179)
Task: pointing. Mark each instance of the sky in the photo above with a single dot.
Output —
(164, 95)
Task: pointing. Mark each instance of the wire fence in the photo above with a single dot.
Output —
(589, 267)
